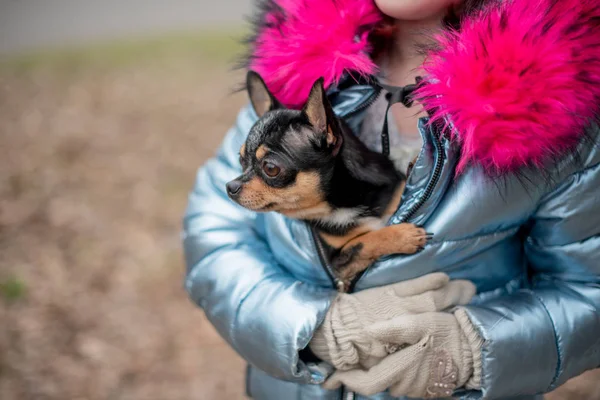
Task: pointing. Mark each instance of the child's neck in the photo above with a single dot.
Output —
(403, 64)
(405, 58)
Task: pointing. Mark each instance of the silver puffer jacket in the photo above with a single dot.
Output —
(530, 242)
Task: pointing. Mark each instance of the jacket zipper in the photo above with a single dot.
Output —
(337, 283)
(437, 172)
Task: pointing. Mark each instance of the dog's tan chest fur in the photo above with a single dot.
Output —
(365, 225)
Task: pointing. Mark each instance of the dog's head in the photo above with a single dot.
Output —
(288, 157)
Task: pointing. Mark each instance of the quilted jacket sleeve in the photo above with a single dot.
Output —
(262, 311)
(536, 339)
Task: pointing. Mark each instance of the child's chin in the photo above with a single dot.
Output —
(413, 10)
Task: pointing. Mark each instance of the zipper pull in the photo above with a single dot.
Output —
(341, 286)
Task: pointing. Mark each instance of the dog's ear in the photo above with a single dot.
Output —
(320, 114)
(262, 100)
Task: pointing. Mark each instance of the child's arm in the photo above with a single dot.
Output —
(538, 338)
(265, 314)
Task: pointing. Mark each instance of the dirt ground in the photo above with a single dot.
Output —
(98, 152)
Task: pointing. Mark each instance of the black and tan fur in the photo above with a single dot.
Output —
(308, 165)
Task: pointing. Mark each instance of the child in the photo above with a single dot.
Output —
(504, 126)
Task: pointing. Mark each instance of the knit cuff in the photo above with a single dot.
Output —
(319, 344)
(475, 344)
(336, 339)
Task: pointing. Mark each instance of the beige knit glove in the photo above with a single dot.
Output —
(439, 352)
(343, 339)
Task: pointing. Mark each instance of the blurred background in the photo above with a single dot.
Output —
(107, 108)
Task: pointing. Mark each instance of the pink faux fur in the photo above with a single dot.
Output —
(519, 82)
(300, 41)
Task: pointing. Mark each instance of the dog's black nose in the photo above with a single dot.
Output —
(234, 187)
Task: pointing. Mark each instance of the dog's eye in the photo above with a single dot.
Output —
(271, 169)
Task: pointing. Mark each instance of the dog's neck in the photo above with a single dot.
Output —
(361, 186)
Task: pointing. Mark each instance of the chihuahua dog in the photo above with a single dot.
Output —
(308, 165)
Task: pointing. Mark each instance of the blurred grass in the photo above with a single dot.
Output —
(12, 289)
(215, 46)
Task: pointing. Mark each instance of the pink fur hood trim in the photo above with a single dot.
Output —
(300, 41)
(517, 85)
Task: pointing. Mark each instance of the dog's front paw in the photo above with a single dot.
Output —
(411, 238)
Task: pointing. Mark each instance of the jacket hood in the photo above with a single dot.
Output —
(517, 85)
